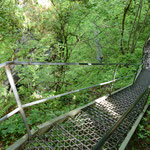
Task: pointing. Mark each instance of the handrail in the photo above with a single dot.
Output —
(57, 96)
(17, 98)
(99, 145)
(63, 64)
(20, 106)
(5, 64)
(9, 115)
(71, 92)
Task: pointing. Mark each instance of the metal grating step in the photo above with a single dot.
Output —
(83, 131)
(88, 127)
(120, 133)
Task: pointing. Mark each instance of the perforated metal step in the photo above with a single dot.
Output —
(89, 126)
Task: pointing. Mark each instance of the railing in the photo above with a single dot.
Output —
(99, 145)
(62, 64)
(21, 107)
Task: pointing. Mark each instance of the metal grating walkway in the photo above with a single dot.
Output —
(88, 127)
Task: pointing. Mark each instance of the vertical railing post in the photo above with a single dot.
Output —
(12, 83)
(114, 77)
(139, 69)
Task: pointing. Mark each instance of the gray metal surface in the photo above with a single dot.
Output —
(71, 92)
(56, 96)
(62, 64)
(92, 123)
(12, 83)
(89, 126)
(131, 132)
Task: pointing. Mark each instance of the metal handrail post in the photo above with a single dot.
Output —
(114, 77)
(139, 69)
(56, 96)
(12, 83)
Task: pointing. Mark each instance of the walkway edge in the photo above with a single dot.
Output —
(45, 126)
(131, 132)
(21, 141)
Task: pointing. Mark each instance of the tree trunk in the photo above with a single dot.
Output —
(134, 35)
(123, 22)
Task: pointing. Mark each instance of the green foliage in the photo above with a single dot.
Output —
(140, 139)
(144, 127)
(64, 32)
(9, 30)
(15, 129)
